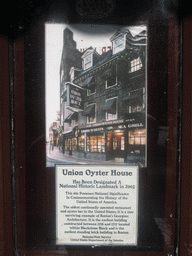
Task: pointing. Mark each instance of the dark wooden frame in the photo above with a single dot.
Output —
(6, 221)
(186, 157)
(182, 204)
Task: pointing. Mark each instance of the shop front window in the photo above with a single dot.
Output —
(96, 143)
(137, 137)
(74, 144)
(81, 143)
(66, 144)
(101, 143)
(70, 144)
(92, 144)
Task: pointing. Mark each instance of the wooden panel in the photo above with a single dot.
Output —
(6, 245)
(186, 189)
(19, 94)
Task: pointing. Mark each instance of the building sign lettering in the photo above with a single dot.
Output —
(74, 97)
(103, 123)
(93, 130)
(135, 125)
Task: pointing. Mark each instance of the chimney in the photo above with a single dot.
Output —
(68, 38)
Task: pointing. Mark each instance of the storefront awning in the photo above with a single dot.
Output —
(89, 110)
(70, 117)
(138, 117)
(110, 106)
(74, 115)
(134, 95)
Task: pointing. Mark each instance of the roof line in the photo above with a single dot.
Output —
(100, 65)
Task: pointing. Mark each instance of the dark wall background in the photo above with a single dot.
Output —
(17, 17)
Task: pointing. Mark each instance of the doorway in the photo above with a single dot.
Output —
(115, 145)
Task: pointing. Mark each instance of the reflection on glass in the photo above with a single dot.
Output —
(81, 143)
(122, 143)
(115, 143)
(96, 143)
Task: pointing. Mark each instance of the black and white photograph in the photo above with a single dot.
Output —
(96, 94)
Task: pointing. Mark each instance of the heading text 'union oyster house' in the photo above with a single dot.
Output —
(103, 99)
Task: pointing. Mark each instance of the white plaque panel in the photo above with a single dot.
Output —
(96, 205)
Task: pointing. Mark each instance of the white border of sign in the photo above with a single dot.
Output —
(96, 205)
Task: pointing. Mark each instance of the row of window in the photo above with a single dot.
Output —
(111, 80)
(111, 108)
(111, 74)
(118, 45)
(96, 143)
(111, 111)
(135, 64)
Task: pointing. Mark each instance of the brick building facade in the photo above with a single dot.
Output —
(103, 99)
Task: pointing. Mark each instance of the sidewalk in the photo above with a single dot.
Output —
(55, 154)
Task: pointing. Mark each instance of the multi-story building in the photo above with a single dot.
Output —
(103, 99)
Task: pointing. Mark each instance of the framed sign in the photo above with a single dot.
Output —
(97, 131)
(97, 108)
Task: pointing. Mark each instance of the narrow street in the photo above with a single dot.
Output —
(56, 157)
